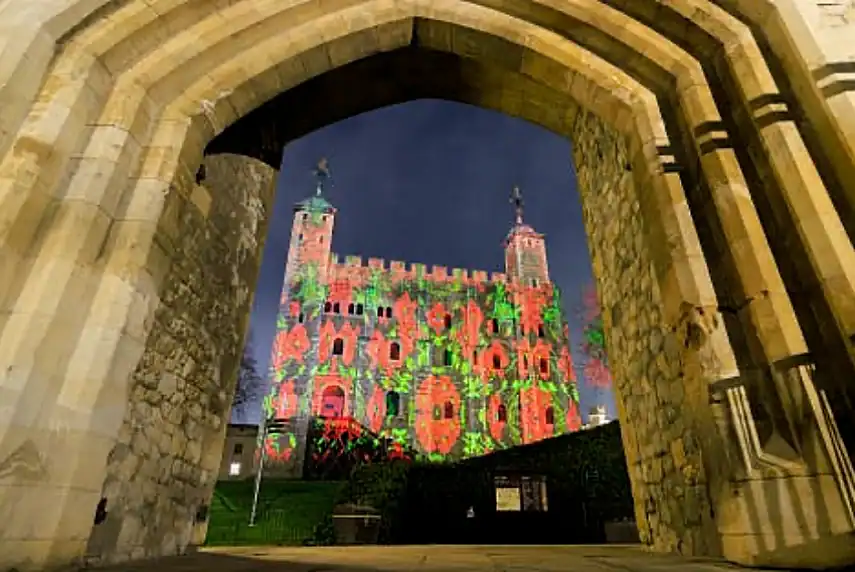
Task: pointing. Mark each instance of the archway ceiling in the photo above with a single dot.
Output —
(156, 51)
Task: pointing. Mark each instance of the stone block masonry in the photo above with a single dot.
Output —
(165, 462)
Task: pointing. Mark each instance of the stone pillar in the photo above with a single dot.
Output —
(150, 448)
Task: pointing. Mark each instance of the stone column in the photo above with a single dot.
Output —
(149, 445)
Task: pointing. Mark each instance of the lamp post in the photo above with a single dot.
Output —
(268, 427)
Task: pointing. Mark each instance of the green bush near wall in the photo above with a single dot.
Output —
(289, 512)
(588, 485)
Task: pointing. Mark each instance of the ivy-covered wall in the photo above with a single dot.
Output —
(587, 486)
(450, 366)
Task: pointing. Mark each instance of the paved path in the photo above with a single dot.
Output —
(610, 558)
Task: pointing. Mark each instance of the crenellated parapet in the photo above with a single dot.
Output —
(357, 269)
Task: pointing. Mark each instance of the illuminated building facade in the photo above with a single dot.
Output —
(446, 364)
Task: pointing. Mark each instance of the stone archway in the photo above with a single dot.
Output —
(714, 136)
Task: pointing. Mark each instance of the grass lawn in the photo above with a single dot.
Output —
(288, 511)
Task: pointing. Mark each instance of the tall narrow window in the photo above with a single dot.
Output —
(395, 351)
(501, 413)
(238, 449)
(379, 311)
(338, 347)
(550, 416)
(300, 318)
(494, 325)
(540, 332)
(449, 410)
(446, 358)
(350, 309)
(534, 282)
(544, 365)
(359, 309)
(393, 404)
(475, 357)
(328, 307)
(525, 362)
(497, 362)
(336, 308)
(447, 321)
(388, 312)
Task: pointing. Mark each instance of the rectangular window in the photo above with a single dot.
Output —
(239, 449)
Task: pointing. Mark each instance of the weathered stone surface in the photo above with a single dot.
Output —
(166, 459)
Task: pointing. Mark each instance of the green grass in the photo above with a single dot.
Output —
(288, 511)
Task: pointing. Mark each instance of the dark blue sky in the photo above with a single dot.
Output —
(429, 181)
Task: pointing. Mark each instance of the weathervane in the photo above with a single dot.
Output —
(517, 201)
(322, 174)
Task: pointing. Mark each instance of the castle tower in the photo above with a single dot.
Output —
(525, 249)
(311, 233)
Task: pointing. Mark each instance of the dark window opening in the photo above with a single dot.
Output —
(447, 321)
(497, 362)
(350, 309)
(437, 413)
(327, 307)
(544, 365)
(446, 358)
(388, 312)
(201, 513)
(301, 318)
(449, 410)
(475, 357)
(101, 511)
(359, 309)
(379, 311)
(494, 325)
(300, 238)
(534, 282)
(338, 347)
(336, 308)
(550, 416)
(324, 218)
(501, 414)
(525, 362)
(238, 449)
(305, 216)
(393, 404)
(395, 351)
(540, 332)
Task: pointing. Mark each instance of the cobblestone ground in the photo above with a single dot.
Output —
(429, 559)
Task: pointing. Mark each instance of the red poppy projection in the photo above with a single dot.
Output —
(446, 366)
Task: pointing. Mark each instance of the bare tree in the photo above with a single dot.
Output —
(249, 382)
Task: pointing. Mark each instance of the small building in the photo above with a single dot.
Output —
(597, 416)
(239, 458)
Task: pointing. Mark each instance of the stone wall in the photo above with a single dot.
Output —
(672, 501)
(165, 462)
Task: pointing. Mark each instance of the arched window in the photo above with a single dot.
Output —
(328, 307)
(447, 321)
(540, 332)
(350, 309)
(336, 308)
(544, 365)
(395, 351)
(447, 358)
(501, 413)
(300, 318)
(359, 309)
(448, 410)
(388, 312)
(393, 404)
(494, 325)
(338, 347)
(497, 362)
(379, 311)
(475, 357)
(550, 416)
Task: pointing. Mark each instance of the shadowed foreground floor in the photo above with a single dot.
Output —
(429, 559)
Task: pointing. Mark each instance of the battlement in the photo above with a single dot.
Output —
(357, 267)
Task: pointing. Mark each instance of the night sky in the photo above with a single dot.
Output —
(429, 181)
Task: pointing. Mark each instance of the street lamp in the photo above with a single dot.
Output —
(270, 426)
